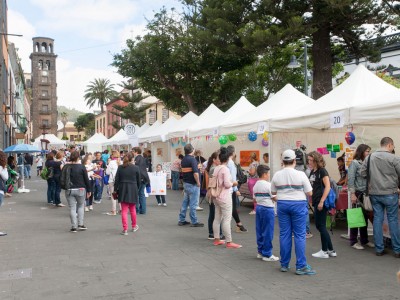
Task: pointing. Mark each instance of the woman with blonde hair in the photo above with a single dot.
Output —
(111, 170)
(319, 179)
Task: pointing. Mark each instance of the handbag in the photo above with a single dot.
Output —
(367, 201)
(355, 218)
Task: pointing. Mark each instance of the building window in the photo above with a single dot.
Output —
(152, 116)
(45, 122)
(45, 108)
(165, 114)
(45, 93)
(45, 79)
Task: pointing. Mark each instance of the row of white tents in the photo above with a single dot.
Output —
(367, 103)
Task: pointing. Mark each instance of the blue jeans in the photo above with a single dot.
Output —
(175, 180)
(27, 171)
(191, 198)
(391, 204)
(57, 190)
(320, 223)
(265, 221)
(141, 207)
(1, 199)
(98, 189)
(51, 191)
(292, 217)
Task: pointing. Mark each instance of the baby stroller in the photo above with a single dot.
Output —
(11, 181)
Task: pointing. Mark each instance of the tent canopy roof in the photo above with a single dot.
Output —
(97, 138)
(180, 128)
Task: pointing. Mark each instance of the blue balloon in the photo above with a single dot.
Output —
(252, 136)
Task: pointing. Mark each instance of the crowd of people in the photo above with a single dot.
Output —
(124, 176)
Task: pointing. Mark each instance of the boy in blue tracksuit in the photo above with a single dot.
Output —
(265, 215)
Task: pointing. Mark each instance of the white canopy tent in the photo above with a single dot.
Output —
(242, 106)
(159, 133)
(54, 141)
(120, 138)
(210, 116)
(287, 100)
(149, 131)
(363, 98)
(95, 143)
(178, 130)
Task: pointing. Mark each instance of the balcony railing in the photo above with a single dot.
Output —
(45, 126)
(44, 111)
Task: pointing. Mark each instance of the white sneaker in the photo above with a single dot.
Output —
(253, 212)
(321, 254)
(199, 208)
(159, 204)
(86, 208)
(370, 245)
(271, 258)
(358, 246)
(332, 253)
(136, 228)
(259, 256)
(164, 204)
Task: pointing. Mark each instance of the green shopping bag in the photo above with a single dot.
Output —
(355, 218)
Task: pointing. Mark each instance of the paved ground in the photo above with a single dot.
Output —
(41, 259)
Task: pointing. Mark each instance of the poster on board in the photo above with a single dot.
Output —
(245, 157)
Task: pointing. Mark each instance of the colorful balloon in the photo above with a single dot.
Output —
(232, 137)
(350, 137)
(223, 139)
(265, 135)
(252, 136)
(265, 143)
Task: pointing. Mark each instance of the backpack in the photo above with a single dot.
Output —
(65, 179)
(47, 173)
(300, 157)
(330, 201)
(214, 189)
(240, 176)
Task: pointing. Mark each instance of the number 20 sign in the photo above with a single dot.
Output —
(337, 119)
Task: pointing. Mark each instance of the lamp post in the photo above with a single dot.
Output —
(295, 64)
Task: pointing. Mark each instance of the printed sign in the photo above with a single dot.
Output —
(131, 132)
(337, 119)
(262, 126)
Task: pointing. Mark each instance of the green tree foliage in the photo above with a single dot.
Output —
(135, 110)
(175, 63)
(73, 113)
(99, 92)
(86, 123)
(330, 26)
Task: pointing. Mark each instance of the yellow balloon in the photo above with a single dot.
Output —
(265, 135)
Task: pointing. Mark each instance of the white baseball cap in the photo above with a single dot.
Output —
(288, 155)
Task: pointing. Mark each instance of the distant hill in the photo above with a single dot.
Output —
(73, 114)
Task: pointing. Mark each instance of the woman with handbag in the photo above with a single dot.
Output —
(357, 186)
(111, 170)
(319, 179)
(126, 185)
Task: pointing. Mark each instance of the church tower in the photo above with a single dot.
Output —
(44, 87)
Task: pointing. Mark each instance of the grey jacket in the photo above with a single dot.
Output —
(355, 181)
(384, 172)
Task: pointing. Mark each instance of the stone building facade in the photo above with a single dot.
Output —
(44, 87)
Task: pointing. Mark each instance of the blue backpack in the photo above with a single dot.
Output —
(330, 201)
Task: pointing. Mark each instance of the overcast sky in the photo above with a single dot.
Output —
(86, 33)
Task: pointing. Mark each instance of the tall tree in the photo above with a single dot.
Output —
(135, 110)
(99, 92)
(64, 120)
(86, 122)
(330, 26)
(173, 63)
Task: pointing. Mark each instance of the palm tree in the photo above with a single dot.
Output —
(64, 120)
(99, 91)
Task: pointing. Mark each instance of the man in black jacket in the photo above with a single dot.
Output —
(140, 161)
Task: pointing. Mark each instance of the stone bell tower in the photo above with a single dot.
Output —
(44, 87)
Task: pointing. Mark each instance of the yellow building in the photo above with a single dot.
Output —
(70, 132)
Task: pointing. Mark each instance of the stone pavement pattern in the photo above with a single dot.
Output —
(163, 260)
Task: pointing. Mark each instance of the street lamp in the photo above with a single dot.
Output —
(295, 64)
